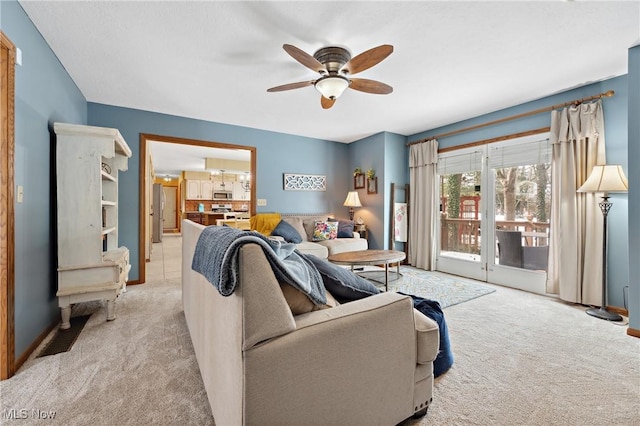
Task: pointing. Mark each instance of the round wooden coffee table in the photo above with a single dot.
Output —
(370, 257)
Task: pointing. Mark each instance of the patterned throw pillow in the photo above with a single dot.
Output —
(325, 231)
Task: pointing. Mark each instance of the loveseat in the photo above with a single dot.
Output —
(305, 225)
(369, 361)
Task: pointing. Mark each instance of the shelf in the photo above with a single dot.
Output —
(107, 176)
(108, 230)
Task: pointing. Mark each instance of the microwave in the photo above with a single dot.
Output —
(222, 195)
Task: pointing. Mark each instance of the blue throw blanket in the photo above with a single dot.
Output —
(216, 257)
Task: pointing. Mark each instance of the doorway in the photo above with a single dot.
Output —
(146, 182)
(495, 212)
(170, 211)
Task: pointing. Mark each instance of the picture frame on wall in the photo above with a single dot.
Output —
(372, 185)
(358, 181)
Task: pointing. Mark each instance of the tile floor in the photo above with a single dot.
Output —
(166, 259)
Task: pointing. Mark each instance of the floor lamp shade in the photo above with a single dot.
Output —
(605, 179)
(609, 178)
(353, 200)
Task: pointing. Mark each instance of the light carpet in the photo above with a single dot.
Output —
(520, 359)
(448, 290)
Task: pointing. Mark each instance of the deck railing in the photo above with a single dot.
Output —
(463, 235)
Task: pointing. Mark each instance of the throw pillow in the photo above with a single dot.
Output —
(309, 224)
(264, 223)
(341, 282)
(298, 225)
(299, 303)
(345, 227)
(288, 232)
(325, 231)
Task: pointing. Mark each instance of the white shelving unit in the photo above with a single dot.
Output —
(91, 265)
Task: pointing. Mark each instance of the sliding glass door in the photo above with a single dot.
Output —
(460, 177)
(494, 215)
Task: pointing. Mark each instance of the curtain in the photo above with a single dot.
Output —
(575, 247)
(423, 209)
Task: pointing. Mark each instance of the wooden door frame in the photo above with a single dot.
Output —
(145, 138)
(7, 220)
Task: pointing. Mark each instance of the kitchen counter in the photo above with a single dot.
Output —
(207, 217)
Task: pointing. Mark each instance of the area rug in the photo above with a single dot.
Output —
(447, 289)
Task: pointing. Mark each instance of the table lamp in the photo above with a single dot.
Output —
(352, 201)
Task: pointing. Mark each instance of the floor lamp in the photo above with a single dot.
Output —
(605, 179)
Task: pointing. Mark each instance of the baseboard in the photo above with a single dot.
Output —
(25, 356)
(617, 310)
(633, 332)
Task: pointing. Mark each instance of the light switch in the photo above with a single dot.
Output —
(18, 56)
(20, 194)
(262, 202)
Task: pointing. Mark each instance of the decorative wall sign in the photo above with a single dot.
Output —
(294, 182)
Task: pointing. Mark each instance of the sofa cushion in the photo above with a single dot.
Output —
(324, 230)
(341, 245)
(316, 249)
(299, 303)
(343, 283)
(297, 224)
(288, 232)
(264, 223)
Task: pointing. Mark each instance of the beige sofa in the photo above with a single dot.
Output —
(368, 361)
(322, 249)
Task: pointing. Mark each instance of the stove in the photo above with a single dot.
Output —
(221, 208)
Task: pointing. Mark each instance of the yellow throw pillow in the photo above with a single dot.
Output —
(264, 223)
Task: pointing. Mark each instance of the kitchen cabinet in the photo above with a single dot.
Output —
(199, 190)
(206, 218)
(217, 186)
(196, 217)
(238, 191)
(90, 264)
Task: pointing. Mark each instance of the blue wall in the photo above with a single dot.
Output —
(615, 112)
(396, 170)
(369, 153)
(634, 187)
(44, 94)
(277, 153)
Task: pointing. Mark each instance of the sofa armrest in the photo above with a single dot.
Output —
(428, 336)
(352, 364)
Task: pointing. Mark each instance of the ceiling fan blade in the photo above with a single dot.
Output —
(370, 86)
(291, 86)
(326, 102)
(367, 59)
(304, 58)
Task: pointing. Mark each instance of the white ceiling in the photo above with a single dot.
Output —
(171, 159)
(451, 60)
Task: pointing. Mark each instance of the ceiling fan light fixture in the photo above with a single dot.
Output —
(332, 86)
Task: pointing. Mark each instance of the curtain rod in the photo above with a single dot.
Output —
(606, 94)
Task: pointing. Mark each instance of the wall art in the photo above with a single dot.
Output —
(296, 182)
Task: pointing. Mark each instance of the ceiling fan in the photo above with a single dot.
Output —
(335, 66)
